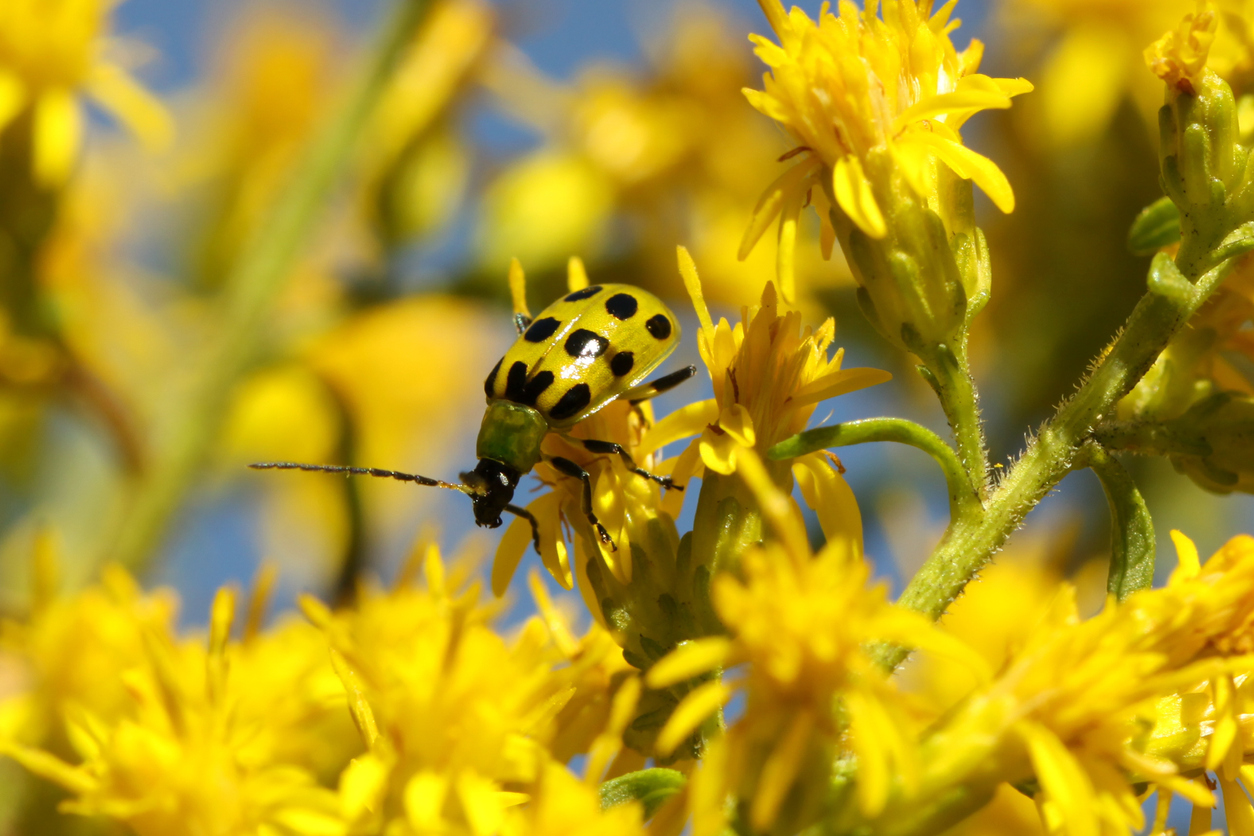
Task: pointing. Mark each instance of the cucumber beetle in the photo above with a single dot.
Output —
(593, 346)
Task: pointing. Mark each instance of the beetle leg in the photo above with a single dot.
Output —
(569, 468)
(521, 321)
(529, 517)
(644, 391)
(609, 448)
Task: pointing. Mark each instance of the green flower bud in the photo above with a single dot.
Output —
(1221, 429)
(923, 282)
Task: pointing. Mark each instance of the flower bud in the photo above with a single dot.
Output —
(1221, 427)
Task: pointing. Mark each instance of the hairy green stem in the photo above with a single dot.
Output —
(947, 371)
(971, 541)
(248, 298)
(898, 430)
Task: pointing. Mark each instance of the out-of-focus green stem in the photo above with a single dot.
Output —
(248, 298)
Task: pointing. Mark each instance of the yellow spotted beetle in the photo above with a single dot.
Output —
(593, 346)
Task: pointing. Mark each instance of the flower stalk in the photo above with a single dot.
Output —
(972, 541)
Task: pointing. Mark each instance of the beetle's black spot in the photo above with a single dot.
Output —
(535, 387)
(490, 383)
(541, 330)
(584, 343)
(575, 400)
(659, 326)
(517, 380)
(622, 363)
(586, 293)
(622, 305)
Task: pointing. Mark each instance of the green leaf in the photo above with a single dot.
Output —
(651, 787)
(1157, 226)
(1131, 528)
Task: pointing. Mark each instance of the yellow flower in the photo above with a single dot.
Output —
(456, 718)
(1179, 57)
(215, 737)
(865, 96)
(51, 51)
(798, 626)
(769, 375)
(72, 651)
(1092, 708)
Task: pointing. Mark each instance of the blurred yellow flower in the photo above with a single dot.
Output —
(865, 97)
(212, 737)
(563, 804)
(456, 718)
(53, 51)
(1092, 708)
(664, 154)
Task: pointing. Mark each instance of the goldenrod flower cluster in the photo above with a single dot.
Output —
(266, 278)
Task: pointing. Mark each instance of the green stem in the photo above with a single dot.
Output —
(972, 541)
(946, 369)
(898, 430)
(248, 298)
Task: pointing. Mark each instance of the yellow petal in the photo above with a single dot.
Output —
(946, 103)
(1188, 564)
(692, 283)
(49, 767)
(610, 742)
(576, 274)
(840, 383)
(688, 420)
(829, 495)
(766, 210)
(786, 250)
(687, 467)
(362, 785)
(854, 196)
(1237, 808)
(479, 797)
(691, 712)
(1062, 779)
(358, 707)
(691, 658)
(789, 184)
(141, 112)
(424, 801)
(780, 770)
(553, 619)
(518, 288)
(777, 507)
(738, 423)
(58, 134)
(509, 553)
(874, 767)
(968, 165)
(718, 452)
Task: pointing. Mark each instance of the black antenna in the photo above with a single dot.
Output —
(361, 471)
